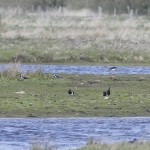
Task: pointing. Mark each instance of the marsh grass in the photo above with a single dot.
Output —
(97, 145)
(139, 145)
(11, 71)
(73, 37)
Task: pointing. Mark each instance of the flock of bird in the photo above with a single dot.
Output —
(70, 92)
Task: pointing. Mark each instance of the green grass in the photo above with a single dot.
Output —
(47, 96)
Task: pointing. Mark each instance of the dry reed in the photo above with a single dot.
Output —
(10, 71)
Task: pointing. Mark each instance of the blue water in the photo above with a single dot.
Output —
(78, 69)
(65, 133)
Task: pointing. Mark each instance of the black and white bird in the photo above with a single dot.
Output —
(23, 77)
(106, 93)
(56, 76)
(112, 68)
(70, 92)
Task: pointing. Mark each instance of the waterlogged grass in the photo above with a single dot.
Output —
(43, 95)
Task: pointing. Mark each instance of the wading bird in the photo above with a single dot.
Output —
(112, 68)
(56, 76)
(23, 77)
(106, 93)
(70, 92)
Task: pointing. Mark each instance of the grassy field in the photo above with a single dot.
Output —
(46, 96)
(73, 37)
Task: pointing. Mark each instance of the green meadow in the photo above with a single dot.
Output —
(46, 96)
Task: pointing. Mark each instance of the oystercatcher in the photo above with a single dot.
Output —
(70, 92)
(106, 93)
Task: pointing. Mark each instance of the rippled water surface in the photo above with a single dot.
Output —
(65, 133)
(69, 69)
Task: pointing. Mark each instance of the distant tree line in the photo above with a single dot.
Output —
(140, 7)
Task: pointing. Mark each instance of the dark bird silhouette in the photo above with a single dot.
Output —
(70, 92)
(56, 76)
(23, 77)
(133, 141)
(106, 93)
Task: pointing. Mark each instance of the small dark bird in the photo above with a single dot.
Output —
(112, 68)
(23, 77)
(56, 76)
(70, 92)
(106, 93)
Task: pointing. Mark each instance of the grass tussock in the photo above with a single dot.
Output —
(11, 71)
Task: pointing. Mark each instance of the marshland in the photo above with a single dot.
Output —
(68, 36)
(82, 32)
(45, 95)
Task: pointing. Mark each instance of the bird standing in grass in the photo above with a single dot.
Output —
(56, 76)
(70, 92)
(106, 93)
(23, 77)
